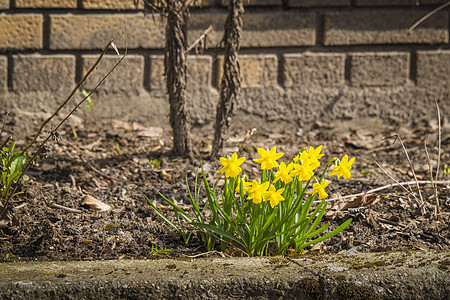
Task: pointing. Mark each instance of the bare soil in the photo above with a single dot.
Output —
(50, 224)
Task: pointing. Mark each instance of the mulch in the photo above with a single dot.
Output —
(120, 163)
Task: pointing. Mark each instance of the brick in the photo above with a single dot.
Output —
(43, 72)
(309, 3)
(157, 79)
(257, 71)
(21, 31)
(300, 70)
(260, 30)
(128, 77)
(112, 4)
(433, 68)
(46, 3)
(254, 2)
(94, 31)
(379, 69)
(199, 72)
(387, 27)
(385, 2)
(3, 74)
(4, 4)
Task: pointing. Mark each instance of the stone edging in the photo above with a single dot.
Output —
(396, 275)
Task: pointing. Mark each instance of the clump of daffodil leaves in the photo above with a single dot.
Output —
(273, 208)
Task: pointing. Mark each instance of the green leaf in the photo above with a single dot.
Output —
(365, 172)
(167, 220)
(331, 234)
(176, 208)
(217, 230)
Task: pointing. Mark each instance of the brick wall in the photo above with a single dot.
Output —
(301, 59)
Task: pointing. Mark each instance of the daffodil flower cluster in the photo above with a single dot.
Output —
(273, 208)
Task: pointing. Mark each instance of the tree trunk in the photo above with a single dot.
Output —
(231, 81)
(175, 68)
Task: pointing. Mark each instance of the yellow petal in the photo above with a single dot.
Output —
(240, 161)
(224, 160)
(262, 152)
(344, 159)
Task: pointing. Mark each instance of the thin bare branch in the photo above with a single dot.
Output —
(430, 170)
(414, 173)
(398, 183)
(439, 138)
(5, 142)
(429, 15)
(52, 133)
(200, 39)
(3, 124)
(69, 97)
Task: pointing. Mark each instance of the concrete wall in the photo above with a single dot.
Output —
(302, 60)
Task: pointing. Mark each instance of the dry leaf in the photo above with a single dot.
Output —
(94, 203)
(355, 202)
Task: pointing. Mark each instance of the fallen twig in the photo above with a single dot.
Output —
(442, 182)
(207, 253)
(72, 210)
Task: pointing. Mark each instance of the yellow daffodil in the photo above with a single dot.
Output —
(231, 165)
(343, 168)
(256, 191)
(283, 173)
(320, 189)
(304, 171)
(313, 155)
(274, 196)
(245, 184)
(268, 159)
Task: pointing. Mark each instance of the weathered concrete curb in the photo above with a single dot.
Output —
(401, 275)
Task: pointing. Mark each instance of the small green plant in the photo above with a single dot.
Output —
(11, 163)
(365, 172)
(155, 162)
(88, 99)
(159, 251)
(276, 207)
(446, 171)
(87, 95)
